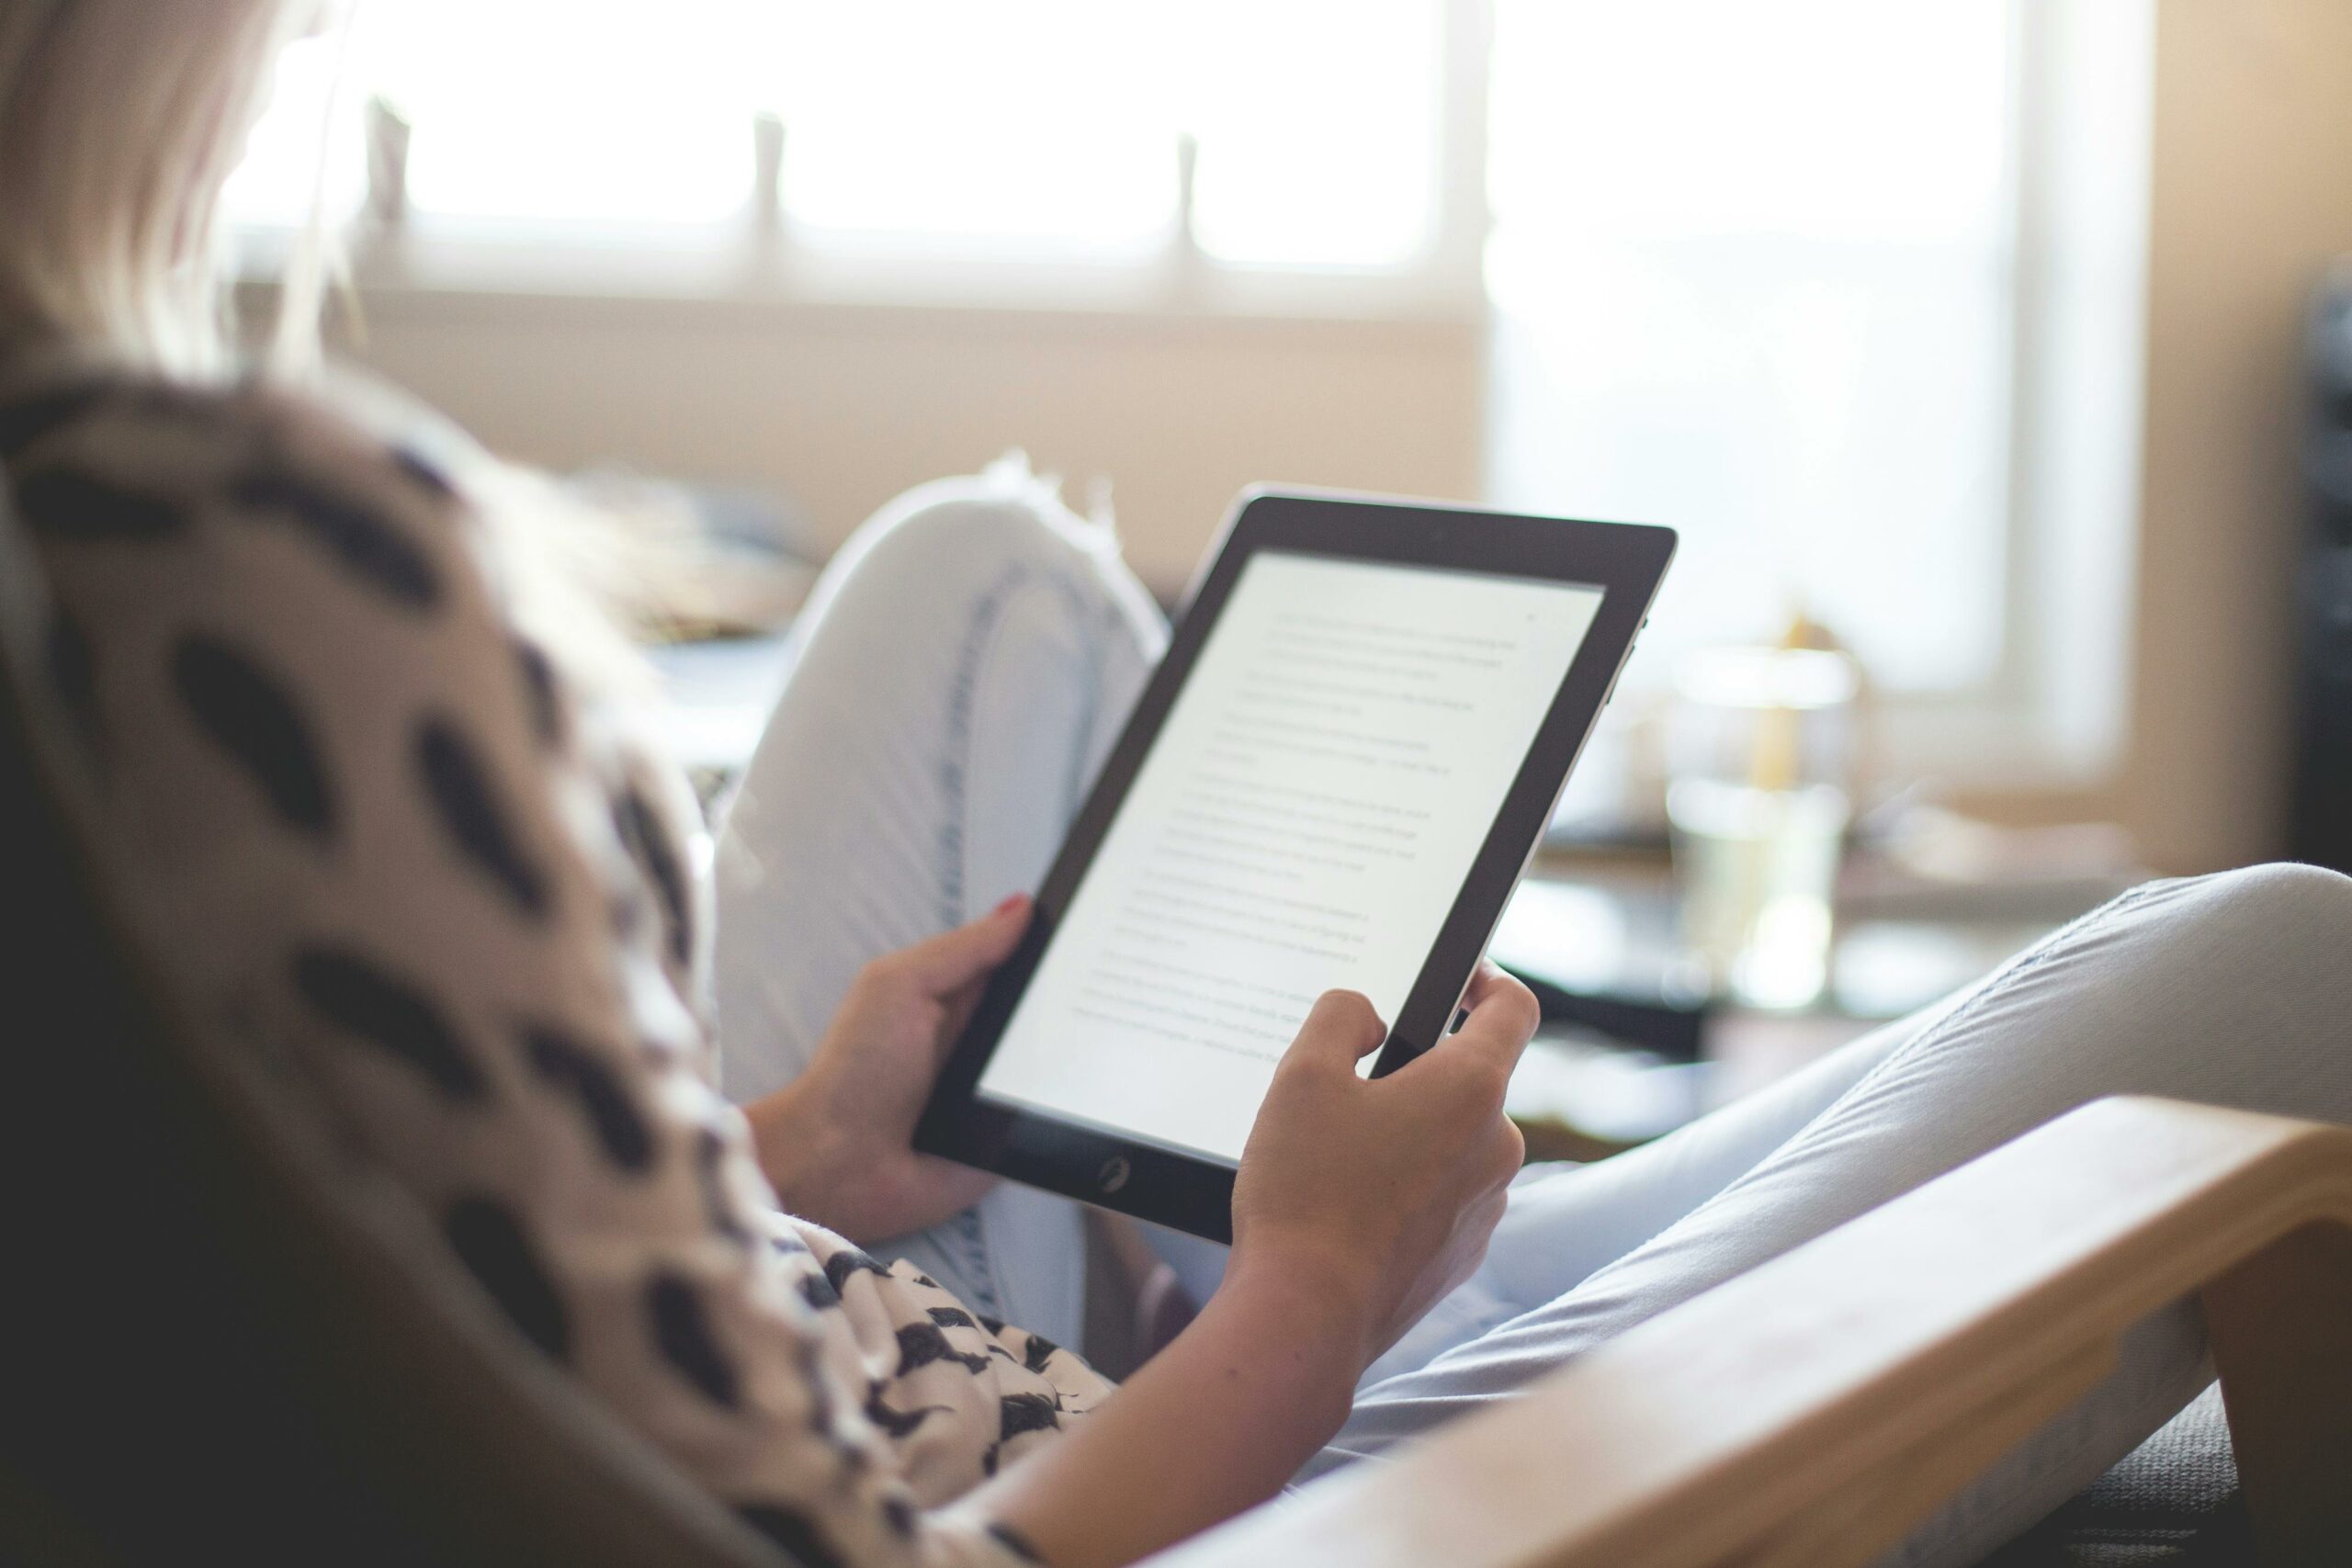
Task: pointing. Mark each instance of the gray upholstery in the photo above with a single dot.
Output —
(2173, 1501)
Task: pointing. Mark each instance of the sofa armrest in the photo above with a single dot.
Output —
(1814, 1409)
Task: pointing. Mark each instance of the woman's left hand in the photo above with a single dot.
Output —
(838, 1142)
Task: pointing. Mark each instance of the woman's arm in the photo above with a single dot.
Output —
(1212, 1425)
(1360, 1203)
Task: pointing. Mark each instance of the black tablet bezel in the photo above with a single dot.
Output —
(1194, 1192)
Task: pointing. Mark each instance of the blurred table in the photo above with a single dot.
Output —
(1633, 1043)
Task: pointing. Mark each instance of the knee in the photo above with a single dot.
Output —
(977, 530)
(955, 553)
(2281, 918)
(2284, 900)
(2274, 921)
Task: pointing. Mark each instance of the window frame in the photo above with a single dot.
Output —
(760, 258)
(2053, 717)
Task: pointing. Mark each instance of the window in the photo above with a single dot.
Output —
(1752, 269)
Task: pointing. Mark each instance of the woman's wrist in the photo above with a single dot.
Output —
(1321, 1303)
(802, 1150)
(1331, 1287)
(1213, 1425)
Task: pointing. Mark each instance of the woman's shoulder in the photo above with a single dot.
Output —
(99, 452)
(299, 566)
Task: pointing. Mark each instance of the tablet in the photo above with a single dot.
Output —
(1333, 780)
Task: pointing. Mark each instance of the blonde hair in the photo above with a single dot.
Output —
(119, 122)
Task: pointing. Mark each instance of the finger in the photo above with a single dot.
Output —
(1484, 981)
(1341, 1027)
(959, 1186)
(1484, 1217)
(958, 957)
(958, 1005)
(1511, 1152)
(1503, 1015)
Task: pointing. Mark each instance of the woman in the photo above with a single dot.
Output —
(378, 826)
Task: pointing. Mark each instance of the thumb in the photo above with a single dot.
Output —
(956, 958)
(1341, 1028)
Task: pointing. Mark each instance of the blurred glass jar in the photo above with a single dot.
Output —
(1760, 748)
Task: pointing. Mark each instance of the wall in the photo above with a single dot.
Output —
(2252, 195)
(845, 406)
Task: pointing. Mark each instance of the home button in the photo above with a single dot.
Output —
(1114, 1174)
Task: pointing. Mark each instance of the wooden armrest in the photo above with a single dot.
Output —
(1816, 1408)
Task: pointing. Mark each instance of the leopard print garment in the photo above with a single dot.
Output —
(393, 845)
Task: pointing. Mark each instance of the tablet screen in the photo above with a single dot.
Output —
(1304, 821)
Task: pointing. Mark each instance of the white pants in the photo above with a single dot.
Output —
(964, 667)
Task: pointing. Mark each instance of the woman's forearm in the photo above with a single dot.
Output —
(799, 1150)
(1215, 1423)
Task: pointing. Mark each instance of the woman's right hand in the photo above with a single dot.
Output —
(1382, 1191)
(1359, 1204)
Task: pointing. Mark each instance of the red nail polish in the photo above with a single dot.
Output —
(1010, 902)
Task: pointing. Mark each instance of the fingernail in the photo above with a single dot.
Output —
(1010, 902)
